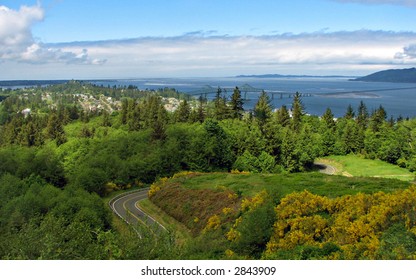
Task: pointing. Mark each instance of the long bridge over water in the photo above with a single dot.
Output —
(244, 89)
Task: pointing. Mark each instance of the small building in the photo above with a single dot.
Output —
(26, 112)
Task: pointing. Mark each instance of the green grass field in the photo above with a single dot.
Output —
(282, 184)
(361, 167)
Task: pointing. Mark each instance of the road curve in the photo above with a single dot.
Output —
(125, 206)
(326, 168)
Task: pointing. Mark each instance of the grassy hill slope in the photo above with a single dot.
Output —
(352, 165)
(276, 215)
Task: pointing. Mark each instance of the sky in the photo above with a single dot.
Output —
(78, 39)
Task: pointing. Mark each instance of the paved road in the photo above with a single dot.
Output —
(125, 206)
(326, 168)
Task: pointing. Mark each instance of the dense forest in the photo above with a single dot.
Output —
(66, 148)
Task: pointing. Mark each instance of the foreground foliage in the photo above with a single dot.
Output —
(360, 226)
(279, 221)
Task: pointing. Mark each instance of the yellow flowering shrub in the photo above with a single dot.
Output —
(232, 196)
(227, 210)
(183, 174)
(214, 223)
(110, 187)
(157, 186)
(229, 253)
(154, 188)
(233, 235)
(249, 204)
(354, 223)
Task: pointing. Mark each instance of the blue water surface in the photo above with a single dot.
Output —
(398, 99)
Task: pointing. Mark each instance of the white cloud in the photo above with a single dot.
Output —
(410, 51)
(356, 52)
(15, 29)
(17, 42)
(408, 3)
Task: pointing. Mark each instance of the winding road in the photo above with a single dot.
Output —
(326, 168)
(126, 207)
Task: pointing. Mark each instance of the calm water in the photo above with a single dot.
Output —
(319, 93)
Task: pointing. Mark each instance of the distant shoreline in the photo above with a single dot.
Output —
(265, 76)
(31, 83)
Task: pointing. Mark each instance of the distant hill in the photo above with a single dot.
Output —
(289, 76)
(391, 76)
(30, 83)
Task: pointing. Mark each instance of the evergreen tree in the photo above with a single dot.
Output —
(201, 111)
(297, 111)
(236, 104)
(182, 114)
(378, 118)
(220, 106)
(86, 132)
(124, 110)
(159, 125)
(134, 120)
(328, 119)
(106, 119)
(263, 109)
(64, 115)
(283, 117)
(12, 129)
(55, 129)
(30, 132)
(351, 138)
(73, 112)
(217, 151)
(151, 108)
(362, 116)
(391, 121)
(85, 116)
(350, 114)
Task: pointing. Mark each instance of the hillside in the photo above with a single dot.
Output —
(295, 216)
(272, 76)
(391, 76)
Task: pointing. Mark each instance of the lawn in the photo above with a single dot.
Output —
(360, 167)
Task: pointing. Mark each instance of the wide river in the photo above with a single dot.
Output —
(398, 99)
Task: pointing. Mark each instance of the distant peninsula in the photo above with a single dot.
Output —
(291, 76)
(31, 83)
(391, 76)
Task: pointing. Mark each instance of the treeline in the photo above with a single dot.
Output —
(212, 136)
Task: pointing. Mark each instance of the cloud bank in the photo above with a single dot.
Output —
(17, 42)
(308, 53)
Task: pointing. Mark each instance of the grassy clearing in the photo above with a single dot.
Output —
(181, 232)
(357, 166)
(282, 184)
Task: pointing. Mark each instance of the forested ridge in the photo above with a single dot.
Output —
(391, 76)
(66, 148)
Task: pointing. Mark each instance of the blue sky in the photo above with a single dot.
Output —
(51, 39)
